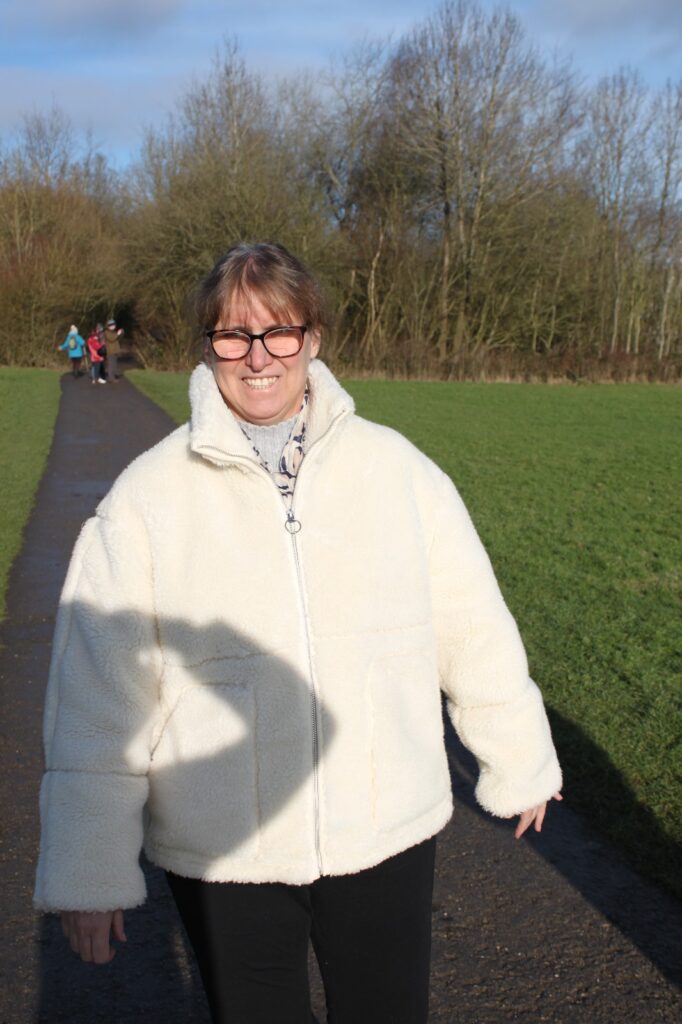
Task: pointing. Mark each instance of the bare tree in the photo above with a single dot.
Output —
(482, 117)
(469, 208)
(59, 253)
(666, 251)
(614, 150)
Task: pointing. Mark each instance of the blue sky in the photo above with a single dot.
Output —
(116, 65)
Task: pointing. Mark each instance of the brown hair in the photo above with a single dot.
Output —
(282, 283)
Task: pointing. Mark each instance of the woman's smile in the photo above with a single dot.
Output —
(260, 383)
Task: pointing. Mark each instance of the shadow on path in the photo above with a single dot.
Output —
(646, 915)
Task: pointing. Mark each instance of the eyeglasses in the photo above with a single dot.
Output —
(280, 342)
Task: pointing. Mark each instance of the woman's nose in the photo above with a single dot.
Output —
(258, 356)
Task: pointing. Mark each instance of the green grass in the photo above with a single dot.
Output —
(28, 408)
(574, 493)
(169, 390)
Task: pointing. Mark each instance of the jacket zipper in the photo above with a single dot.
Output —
(293, 526)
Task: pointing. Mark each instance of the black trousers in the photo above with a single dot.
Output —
(371, 933)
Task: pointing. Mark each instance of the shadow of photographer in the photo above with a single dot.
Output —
(227, 748)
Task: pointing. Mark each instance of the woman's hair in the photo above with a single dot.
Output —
(279, 280)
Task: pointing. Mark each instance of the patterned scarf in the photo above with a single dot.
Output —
(292, 454)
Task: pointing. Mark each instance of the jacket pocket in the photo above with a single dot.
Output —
(409, 765)
(203, 779)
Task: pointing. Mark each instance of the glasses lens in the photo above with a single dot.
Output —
(231, 344)
(284, 341)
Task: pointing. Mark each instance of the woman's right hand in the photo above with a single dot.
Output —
(89, 933)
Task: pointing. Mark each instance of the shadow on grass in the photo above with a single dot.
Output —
(598, 791)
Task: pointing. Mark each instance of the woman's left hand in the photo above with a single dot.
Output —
(533, 814)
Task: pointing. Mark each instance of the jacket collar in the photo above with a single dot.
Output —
(215, 433)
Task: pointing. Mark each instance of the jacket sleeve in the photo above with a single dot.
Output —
(100, 712)
(494, 706)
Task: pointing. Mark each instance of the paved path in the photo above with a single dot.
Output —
(553, 929)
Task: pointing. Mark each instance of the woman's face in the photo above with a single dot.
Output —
(261, 388)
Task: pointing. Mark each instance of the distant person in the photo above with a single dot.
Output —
(103, 350)
(246, 678)
(74, 346)
(112, 341)
(96, 349)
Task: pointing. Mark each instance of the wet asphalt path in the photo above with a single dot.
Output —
(553, 929)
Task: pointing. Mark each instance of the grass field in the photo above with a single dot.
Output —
(574, 491)
(28, 407)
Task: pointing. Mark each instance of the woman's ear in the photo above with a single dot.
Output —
(314, 344)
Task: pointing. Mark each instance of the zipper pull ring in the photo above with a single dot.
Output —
(292, 524)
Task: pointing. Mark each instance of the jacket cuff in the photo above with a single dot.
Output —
(513, 745)
(91, 860)
(507, 799)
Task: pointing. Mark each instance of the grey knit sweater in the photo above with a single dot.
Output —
(268, 441)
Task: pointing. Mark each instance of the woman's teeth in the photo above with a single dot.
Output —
(259, 383)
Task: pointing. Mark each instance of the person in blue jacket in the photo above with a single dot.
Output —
(75, 346)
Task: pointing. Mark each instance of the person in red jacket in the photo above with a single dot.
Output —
(95, 348)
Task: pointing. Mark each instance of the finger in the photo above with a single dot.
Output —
(102, 953)
(524, 821)
(557, 796)
(540, 817)
(74, 942)
(118, 926)
(85, 946)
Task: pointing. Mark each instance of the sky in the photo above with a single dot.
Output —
(114, 66)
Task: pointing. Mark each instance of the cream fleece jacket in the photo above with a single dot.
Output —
(257, 703)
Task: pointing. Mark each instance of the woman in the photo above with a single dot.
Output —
(245, 680)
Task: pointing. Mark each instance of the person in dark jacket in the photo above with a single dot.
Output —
(112, 340)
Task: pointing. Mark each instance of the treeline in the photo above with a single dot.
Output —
(472, 209)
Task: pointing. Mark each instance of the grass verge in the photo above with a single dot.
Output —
(571, 489)
(169, 390)
(29, 400)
